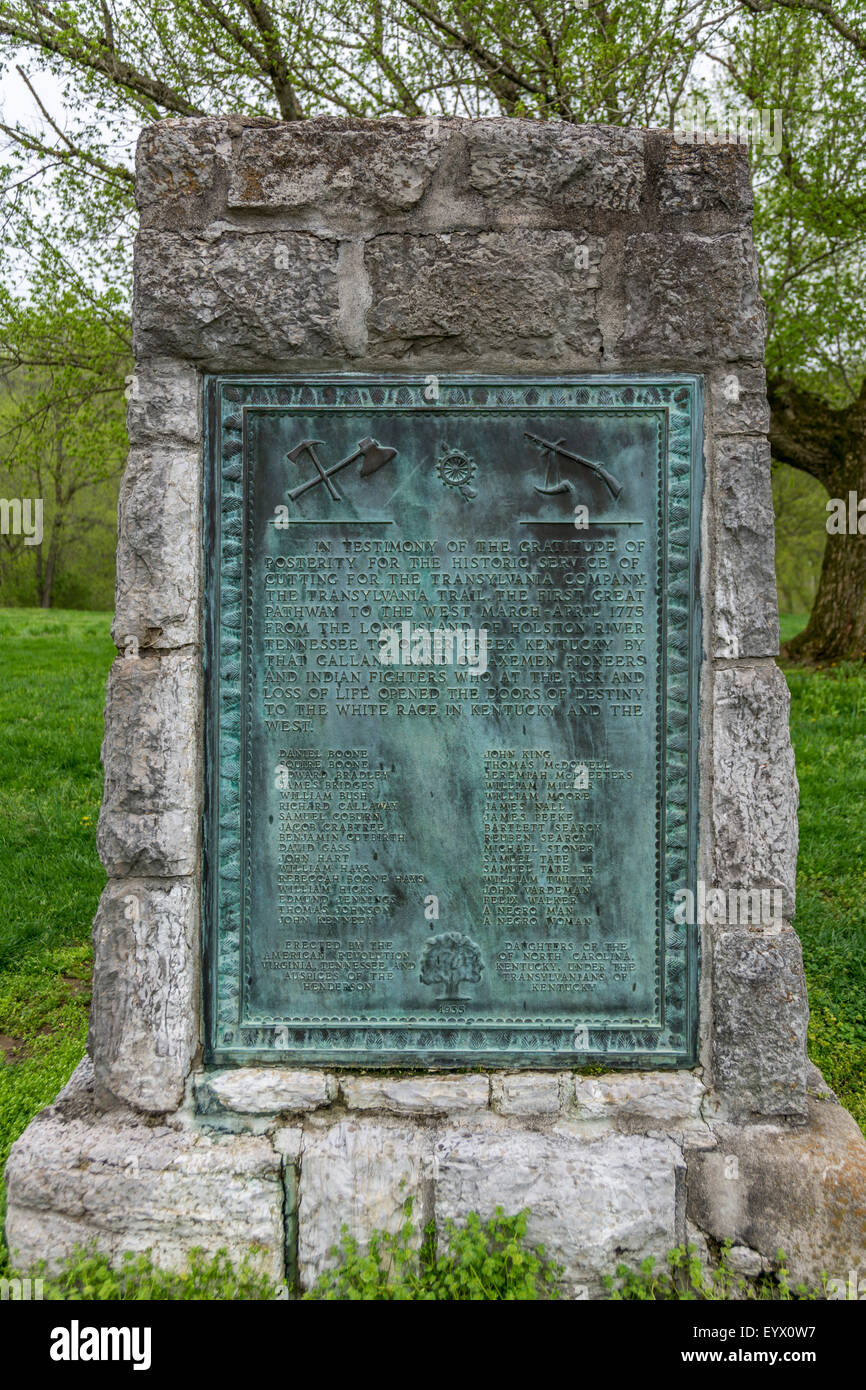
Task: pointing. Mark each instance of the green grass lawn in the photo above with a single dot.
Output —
(53, 668)
(52, 681)
(792, 623)
(828, 723)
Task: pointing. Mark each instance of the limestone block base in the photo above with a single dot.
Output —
(265, 1170)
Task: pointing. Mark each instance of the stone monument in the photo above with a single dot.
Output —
(450, 807)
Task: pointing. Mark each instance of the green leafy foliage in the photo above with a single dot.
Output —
(479, 1261)
(687, 1280)
(88, 1277)
(810, 189)
(68, 175)
(64, 357)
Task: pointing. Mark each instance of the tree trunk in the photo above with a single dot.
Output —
(47, 589)
(836, 630)
(60, 502)
(830, 445)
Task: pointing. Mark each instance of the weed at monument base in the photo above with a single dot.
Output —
(481, 1262)
(686, 1279)
(88, 1277)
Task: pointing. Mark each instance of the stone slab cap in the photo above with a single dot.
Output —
(450, 170)
(264, 1091)
(553, 164)
(659, 1100)
(422, 1095)
(705, 178)
(527, 1093)
(330, 163)
(177, 163)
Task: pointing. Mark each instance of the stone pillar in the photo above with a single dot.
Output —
(438, 246)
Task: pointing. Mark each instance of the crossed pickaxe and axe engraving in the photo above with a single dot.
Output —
(553, 481)
(373, 454)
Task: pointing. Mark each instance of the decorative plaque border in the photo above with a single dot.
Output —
(671, 1039)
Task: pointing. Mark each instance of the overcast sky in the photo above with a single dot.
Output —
(16, 103)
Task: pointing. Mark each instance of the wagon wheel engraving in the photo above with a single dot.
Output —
(456, 470)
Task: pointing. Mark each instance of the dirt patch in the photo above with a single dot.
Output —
(10, 1047)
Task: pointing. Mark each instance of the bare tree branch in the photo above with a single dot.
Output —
(275, 63)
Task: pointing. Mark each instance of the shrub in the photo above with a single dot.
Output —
(488, 1261)
(88, 1277)
(686, 1280)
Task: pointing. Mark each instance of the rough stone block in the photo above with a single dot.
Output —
(359, 1174)
(148, 824)
(592, 1202)
(746, 612)
(530, 164)
(164, 403)
(79, 1178)
(159, 548)
(236, 299)
(803, 1190)
(177, 165)
(745, 1262)
(143, 1030)
(526, 1093)
(330, 165)
(760, 1021)
(656, 1100)
(265, 1090)
(288, 1141)
(421, 1095)
(706, 178)
(754, 787)
(488, 292)
(669, 316)
(739, 401)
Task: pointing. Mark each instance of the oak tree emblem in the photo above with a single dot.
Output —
(448, 960)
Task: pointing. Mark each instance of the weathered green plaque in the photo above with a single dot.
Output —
(452, 657)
